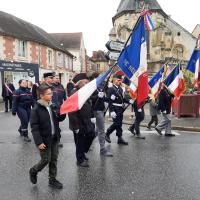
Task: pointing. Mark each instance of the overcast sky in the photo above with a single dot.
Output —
(92, 17)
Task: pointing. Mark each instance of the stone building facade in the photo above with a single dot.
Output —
(169, 41)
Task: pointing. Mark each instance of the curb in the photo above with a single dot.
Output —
(179, 128)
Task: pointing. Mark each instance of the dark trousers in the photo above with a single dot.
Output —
(49, 156)
(117, 125)
(83, 143)
(24, 116)
(135, 127)
(154, 119)
(8, 101)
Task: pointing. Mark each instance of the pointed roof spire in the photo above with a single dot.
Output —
(136, 6)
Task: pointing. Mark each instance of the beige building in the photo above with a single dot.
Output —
(168, 40)
(100, 60)
(74, 43)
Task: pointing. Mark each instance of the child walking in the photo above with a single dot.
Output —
(46, 134)
(153, 108)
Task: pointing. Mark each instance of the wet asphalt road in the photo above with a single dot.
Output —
(157, 168)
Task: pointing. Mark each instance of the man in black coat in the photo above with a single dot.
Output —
(46, 134)
(82, 124)
(7, 93)
(165, 99)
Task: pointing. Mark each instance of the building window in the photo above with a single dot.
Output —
(22, 48)
(98, 67)
(59, 59)
(49, 57)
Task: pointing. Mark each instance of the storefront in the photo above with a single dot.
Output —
(14, 71)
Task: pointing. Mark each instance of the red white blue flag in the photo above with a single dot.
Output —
(77, 100)
(193, 64)
(175, 81)
(133, 61)
(147, 20)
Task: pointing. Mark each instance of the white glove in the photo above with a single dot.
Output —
(101, 94)
(93, 120)
(164, 112)
(140, 110)
(76, 131)
(113, 115)
(113, 97)
(131, 101)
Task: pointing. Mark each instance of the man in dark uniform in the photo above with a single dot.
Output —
(59, 91)
(116, 105)
(139, 117)
(7, 93)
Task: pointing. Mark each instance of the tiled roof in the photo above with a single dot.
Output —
(18, 28)
(135, 5)
(69, 40)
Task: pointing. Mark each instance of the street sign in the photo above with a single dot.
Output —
(114, 46)
(112, 55)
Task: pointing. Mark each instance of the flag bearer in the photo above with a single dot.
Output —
(116, 105)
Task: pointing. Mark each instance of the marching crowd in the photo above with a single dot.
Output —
(40, 105)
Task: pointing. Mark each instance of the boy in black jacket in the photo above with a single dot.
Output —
(46, 133)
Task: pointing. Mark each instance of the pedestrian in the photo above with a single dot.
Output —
(60, 93)
(153, 110)
(139, 117)
(7, 93)
(22, 102)
(35, 92)
(82, 124)
(116, 105)
(49, 78)
(165, 99)
(98, 105)
(46, 134)
(70, 86)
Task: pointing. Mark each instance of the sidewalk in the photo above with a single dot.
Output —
(183, 124)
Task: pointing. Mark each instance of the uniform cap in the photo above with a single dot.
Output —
(47, 74)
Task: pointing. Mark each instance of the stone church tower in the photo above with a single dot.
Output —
(168, 40)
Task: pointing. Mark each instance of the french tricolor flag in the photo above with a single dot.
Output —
(77, 100)
(175, 81)
(133, 61)
(147, 20)
(156, 81)
(193, 64)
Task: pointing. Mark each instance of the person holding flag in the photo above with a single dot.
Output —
(116, 105)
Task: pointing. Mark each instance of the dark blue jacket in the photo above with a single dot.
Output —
(165, 100)
(59, 94)
(22, 98)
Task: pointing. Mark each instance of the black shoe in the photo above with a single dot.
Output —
(139, 137)
(170, 135)
(122, 141)
(21, 134)
(60, 145)
(33, 176)
(131, 130)
(83, 164)
(158, 131)
(55, 183)
(107, 138)
(6, 110)
(27, 139)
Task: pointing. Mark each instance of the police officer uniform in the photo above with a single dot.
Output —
(116, 106)
(59, 94)
(22, 102)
